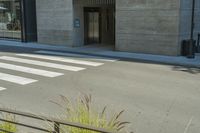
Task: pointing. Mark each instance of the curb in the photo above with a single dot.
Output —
(62, 49)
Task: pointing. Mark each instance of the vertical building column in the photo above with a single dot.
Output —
(29, 25)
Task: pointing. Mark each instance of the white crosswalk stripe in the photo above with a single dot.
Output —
(30, 70)
(2, 88)
(42, 63)
(16, 79)
(62, 59)
(41, 60)
(76, 55)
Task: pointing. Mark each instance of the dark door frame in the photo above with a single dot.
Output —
(86, 10)
(23, 23)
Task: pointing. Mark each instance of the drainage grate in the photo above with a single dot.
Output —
(100, 2)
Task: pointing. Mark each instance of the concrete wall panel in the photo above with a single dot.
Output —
(55, 21)
(155, 22)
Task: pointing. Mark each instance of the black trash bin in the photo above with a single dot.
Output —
(191, 49)
(198, 44)
(184, 48)
(188, 48)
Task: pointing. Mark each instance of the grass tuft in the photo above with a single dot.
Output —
(82, 112)
(8, 126)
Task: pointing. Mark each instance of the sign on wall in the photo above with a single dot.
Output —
(77, 23)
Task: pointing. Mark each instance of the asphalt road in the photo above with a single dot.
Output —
(156, 98)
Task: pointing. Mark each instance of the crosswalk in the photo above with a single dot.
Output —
(42, 63)
(62, 60)
(39, 72)
(44, 60)
(76, 55)
(2, 89)
(16, 79)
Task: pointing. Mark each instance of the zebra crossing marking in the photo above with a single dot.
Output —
(76, 55)
(42, 63)
(16, 79)
(24, 81)
(2, 88)
(80, 62)
(30, 70)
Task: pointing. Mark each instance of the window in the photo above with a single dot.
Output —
(10, 16)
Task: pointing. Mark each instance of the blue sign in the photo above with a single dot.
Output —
(77, 23)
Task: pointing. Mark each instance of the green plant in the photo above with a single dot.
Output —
(82, 112)
(8, 126)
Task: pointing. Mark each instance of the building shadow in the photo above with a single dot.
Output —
(190, 70)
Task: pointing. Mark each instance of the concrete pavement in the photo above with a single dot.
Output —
(157, 98)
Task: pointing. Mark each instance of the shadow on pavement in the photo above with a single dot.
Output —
(190, 70)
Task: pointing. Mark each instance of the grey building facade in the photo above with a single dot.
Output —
(141, 26)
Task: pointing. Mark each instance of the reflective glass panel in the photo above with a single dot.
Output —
(10, 16)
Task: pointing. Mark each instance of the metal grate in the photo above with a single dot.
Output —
(100, 2)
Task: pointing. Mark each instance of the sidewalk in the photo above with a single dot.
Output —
(108, 52)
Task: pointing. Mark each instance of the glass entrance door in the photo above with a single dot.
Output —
(92, 26)
(10, 19)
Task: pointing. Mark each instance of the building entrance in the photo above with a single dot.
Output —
(94, 22)
(92, 25)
